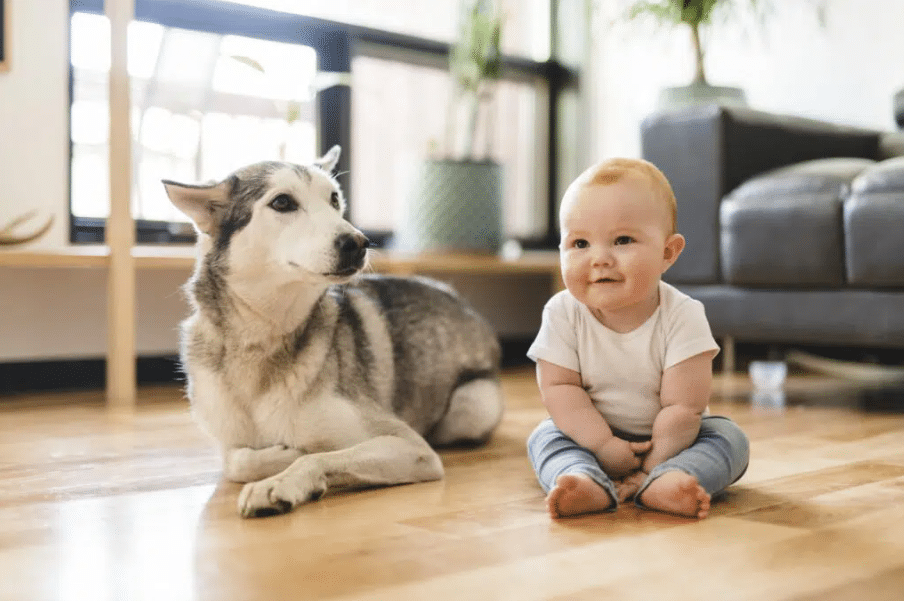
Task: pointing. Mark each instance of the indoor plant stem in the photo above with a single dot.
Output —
(700, 74)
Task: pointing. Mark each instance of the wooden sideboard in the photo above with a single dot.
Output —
(145, 257)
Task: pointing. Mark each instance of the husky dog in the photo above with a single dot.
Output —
(310, 375)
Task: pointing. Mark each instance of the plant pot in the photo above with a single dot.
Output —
(453, 206)
(700, 93)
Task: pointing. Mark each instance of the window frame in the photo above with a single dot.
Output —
(335, 44)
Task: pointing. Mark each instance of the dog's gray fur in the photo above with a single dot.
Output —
(310, 375)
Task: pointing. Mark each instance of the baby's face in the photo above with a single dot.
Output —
(615, 246)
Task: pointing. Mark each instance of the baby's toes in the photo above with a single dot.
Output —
(704, 504)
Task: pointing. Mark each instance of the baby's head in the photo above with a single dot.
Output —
(647, 182)
(618, 234)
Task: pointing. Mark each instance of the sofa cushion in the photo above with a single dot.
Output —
(706, 151)
(874, 226)
(784, 228)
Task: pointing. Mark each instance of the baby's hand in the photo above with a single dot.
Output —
(619, 458)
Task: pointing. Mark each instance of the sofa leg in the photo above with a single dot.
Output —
(728, 356)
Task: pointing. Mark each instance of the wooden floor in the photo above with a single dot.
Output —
(97, 506)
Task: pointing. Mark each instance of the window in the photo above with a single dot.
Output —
(527, 22)
(411, 123)
(217, 85)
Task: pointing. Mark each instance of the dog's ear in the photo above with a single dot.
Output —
(201, 203)
(328, 161)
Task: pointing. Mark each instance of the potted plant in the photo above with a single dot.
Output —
(455, 200)
(696, 16)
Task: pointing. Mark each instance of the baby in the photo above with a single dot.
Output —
(624, 360)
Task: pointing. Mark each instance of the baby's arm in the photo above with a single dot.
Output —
(684, 395)
(573, 412)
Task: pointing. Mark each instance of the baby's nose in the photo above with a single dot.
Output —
(602, 256)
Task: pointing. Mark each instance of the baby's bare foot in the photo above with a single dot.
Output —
(677, 492)
(575, 494)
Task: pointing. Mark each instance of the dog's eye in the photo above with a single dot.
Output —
(334, 200)
(284, 204)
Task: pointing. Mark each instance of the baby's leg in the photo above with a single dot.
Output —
(684, 484)
(569, 473)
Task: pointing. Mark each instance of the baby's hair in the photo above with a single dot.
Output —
(614, 170)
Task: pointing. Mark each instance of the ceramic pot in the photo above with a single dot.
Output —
(453, 206)
(697, 93)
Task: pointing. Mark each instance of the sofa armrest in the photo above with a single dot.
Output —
(709, 150)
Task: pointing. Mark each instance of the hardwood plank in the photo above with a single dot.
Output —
(131, 505)
(884, 586)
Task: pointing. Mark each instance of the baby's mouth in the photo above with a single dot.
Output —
(605, 281)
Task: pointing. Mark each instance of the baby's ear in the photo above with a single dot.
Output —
(674, 244)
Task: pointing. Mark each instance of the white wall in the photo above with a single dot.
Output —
(62, 313)
(34, 114)
(846, 72)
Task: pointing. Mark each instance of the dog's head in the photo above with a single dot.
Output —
(277, 220)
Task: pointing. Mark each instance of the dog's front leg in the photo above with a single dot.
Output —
(244, 464)
(384, 460)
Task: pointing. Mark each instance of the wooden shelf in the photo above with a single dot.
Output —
(164, 257)
(183, 257)
(537, 262)
(122, 390)
(146, 257)
(74, 256)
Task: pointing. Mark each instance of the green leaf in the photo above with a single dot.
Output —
(245, 60)
(293, 111)
(476, 56)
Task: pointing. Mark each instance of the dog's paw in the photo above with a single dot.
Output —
(249, 465)
(279, 494)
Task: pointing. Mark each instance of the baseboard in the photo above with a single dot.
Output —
(80, 374)
(90, 374)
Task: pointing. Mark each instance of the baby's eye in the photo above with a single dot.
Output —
(581, 243)
(623, 240)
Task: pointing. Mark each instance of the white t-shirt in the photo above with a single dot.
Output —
(622, 373)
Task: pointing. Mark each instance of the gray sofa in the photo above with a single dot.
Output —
(794, 227)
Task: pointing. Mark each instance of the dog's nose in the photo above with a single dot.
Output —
(351, 251)
(351, 244)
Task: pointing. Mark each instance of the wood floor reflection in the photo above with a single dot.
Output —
(102, 506)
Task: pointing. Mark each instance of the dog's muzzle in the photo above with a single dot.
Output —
(351, 250)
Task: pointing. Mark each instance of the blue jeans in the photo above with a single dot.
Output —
(717, 458)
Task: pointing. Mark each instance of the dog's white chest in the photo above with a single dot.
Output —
(322, 423)
(278, 416)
